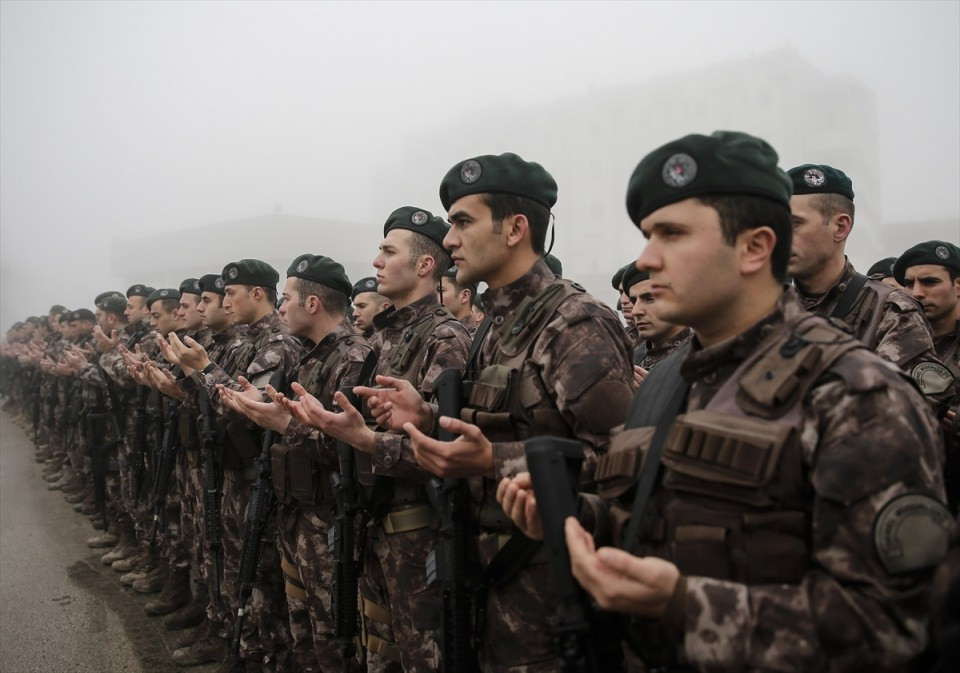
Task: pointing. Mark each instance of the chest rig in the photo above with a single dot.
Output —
(299, 476)
(733, 501)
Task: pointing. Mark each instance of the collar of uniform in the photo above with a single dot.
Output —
(812, 301)
(707, 363)
(397, 318)
(343, 329)
(503, 299)
(262, 325)
(675, 342)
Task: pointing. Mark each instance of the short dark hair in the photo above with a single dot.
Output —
(829, 205)
(537, 214)
(459, 288)
(334, 303)
(739, 213)
(169, 305)
(421, 245)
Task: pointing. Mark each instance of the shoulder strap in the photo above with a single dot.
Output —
(658, 401)
(849, 295)
(475, 347)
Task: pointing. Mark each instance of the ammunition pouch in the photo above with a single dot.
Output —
(298, 479)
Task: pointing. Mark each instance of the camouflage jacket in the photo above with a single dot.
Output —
(343, 371)
(867, 443)
(902, 335)
(948, 348)
(445, 347)
(649, 356)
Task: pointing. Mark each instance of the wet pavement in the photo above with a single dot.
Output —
(61, 610)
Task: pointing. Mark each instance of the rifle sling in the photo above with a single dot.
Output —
(849, 296)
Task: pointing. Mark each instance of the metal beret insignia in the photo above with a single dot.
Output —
(196, 285)
(370, 283)
(138, 288)
(233, 273)
(942, 252)
(302, 266)
(814, 177)
(218, 283)
(419, 218)
(911, 532)
(470, 171)
(679, 170)
(163, 293)
(75, 315)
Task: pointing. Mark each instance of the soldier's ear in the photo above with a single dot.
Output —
(518, 229)
(755, 249)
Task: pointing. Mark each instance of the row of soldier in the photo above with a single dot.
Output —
(306, 492)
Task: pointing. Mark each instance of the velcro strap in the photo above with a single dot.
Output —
(380, 646)
(374, 612)
(406, 520)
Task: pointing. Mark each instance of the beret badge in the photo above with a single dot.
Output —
(163, 293)
(470, 171)
(196, 285)
(814, 177)
(218, 283)
(419, 218)
(302, 266)
(942, 252)
(370, 283)
(233, 273)
(679, 170)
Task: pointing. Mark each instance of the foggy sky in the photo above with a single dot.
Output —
(126, 119)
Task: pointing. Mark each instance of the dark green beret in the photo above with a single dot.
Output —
(618, 277)
(503, 174)
(212, 282)
(250, 272)
(451, 272)
(103, 295)
(323, 270)
(164, 293)
(113, 302)
(555, 264)
(632, 275)
(82, 314)
(190, 286)
(883, 268)
(931, 252)
(65, 316)
(725, 162)
(418, 220)
(364, 285)
(57, 309)
(139, 291)
(820, 179)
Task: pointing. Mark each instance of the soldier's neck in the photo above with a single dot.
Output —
(821, 282)
(744, 310)
(517, 266)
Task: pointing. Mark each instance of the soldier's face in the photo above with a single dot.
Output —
(694, 272)
(365, 307)
(449, 296)
(136, 309)
(814, 242)
(211, 312)
(396, 272)
(649, 326)
(626, 303)
(477, 244)
(297, 317)
(188, 317)
(162, 321)
(930, 285)
(238, 303)
(80, 327)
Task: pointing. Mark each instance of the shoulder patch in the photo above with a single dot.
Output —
(932, 378)
(911, 532)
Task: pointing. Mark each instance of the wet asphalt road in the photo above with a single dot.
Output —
(61, 611)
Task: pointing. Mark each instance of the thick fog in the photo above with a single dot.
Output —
(133, 133)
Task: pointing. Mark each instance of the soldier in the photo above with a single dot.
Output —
(782, 544)
(315, 304)
(250, 296)
(415, 340)
(658, 337)
(625, 304)
(884, 318)
(458, 299)
(367, 303)
(883, 271)
(554, 361)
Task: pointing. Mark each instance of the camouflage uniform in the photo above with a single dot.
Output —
(257, 353)
(649, 356)
(790, 545)
(898, 332)
(402, 612)
(574, 379)
(304, 517)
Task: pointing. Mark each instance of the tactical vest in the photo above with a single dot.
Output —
(298, 478)
(734, 498)
(863, 311)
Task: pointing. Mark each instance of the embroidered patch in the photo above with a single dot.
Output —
(932, 377)
(911, 532)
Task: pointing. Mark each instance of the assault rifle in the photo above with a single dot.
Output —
(342, 542)
(165, 463)
(448, 562)
(211, 493)
(137, 462)
(554, 466)
(255, 522)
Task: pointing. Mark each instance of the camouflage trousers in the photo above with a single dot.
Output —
(395, 581)
(303, 542)
(265, 636)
